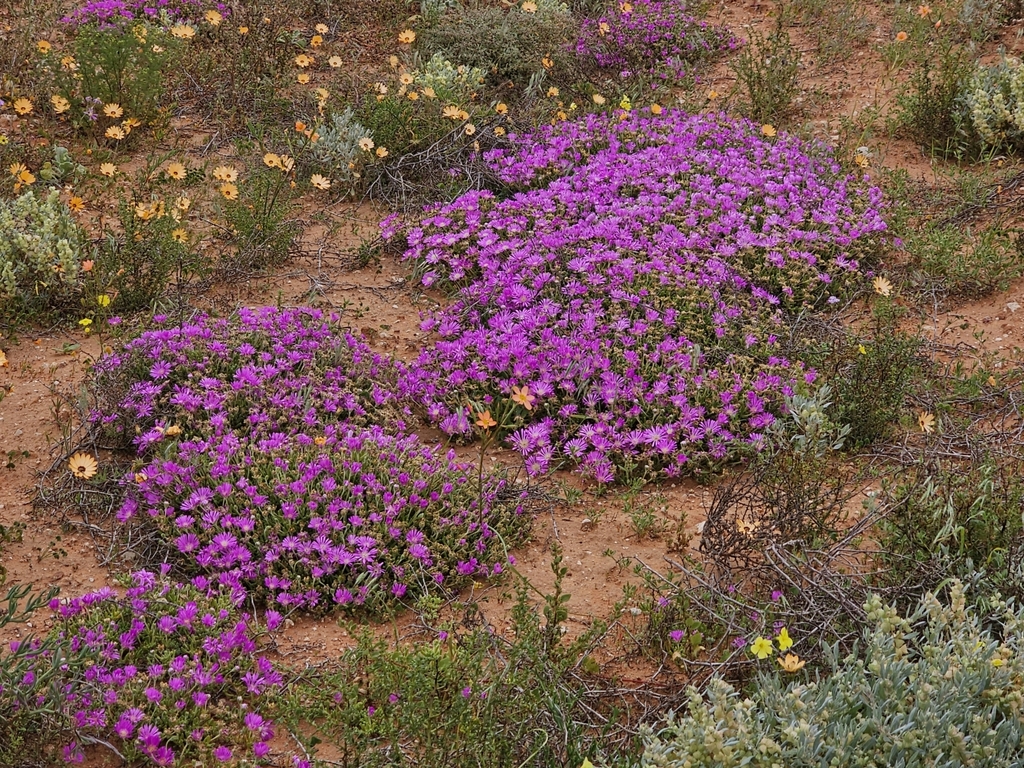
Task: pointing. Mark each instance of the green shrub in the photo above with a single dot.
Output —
(953, 517)
(934, 689)
(871, 374)
(507, 45)
(933, 110)
(767, 70)
(233, 78)
(466, 699)
(963, 263)
(140, 261)
(112, 65)
(29, 680)
(444, 103)
(261, 232)
(41, 253)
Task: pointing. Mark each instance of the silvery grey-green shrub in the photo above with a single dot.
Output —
(41, 252)
(936, 689)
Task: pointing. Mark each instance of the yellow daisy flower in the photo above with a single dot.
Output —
(113, 110)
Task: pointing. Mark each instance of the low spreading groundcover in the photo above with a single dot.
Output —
(636, 283)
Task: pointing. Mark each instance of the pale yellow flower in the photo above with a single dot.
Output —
(366, 143)
(60, 104)
(213, 18)
(529, 7)
(225, 173)
(108, 169)
(177, 171)
(926, 421)
(302, 60)
(882, 286)
(113, 110)
(183, 31)
(229, 191)
(323, 29)
(406, 36)
(115, 132)
(320, 182)
(768, 130)
(44, 46)
(83, 465)
(335, 62)
(382, 152)
(22, 106)
(791, 663)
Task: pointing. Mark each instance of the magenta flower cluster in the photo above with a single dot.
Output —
(274, 459)
(158, 673)
(111, 13)
(637, 285)
(657, 38)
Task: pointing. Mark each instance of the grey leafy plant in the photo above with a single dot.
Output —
(942, 687)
